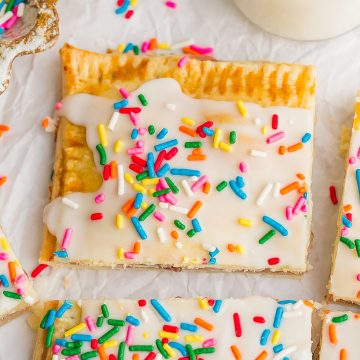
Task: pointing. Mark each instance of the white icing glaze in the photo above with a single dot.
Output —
(8, 305)
(295, 331)
(344, 283)
(347, 336)
(98, 241)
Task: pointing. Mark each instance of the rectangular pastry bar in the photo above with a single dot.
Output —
(16, 292)
(344, 282)
(200, 164)
(250, 328)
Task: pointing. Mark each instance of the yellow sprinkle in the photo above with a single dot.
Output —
(185, 259)
(203, 303)
(169, 350)
(276, 337)
(169, 335)
(151, 191)
(145, 335)
(144, 205)
(119, 221)
(356, 125)
(110, 344)
(133, 3)
(196, 261)
(139, 188)
(188, 121)
(264, 130)
(153, 181)
(217, 137)
(242, 108)
(121, 47)
(74, 329)
(194, 338)
(245, 222)
(4, 243)
(102, 135)
(239, 249)
(224, 146)
(164, 46)
(118, 145)
(120, 253)
(16, 261)
(128, 177)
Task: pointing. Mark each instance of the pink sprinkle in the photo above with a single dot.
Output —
(201, 50)
(20, 291)
(243, 167)
(142, 131)
(73, 357)
(67, 237)
(140, 144)
(358, 153)
(90, 323)
(124, 93)
(297, 208)
(289, 213)
(135, 151)
(58, 105)
(20, 279)
(276, 137)
(344, 231)
(305, 208)
(170, 198)
(170, 4)
(130, 335)
(99, 198)
(197, 185)
(145, 46)
(352, 160)
(358, 277)
(4, 256)
(56, 349)
(134, 118)
(162, 199)
(8, 24)
(162, 184)
(129, 255)
(209, 343)
(159, 216)
(183, 61)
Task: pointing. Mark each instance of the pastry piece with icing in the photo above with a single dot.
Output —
(248, 328)
(344, 282)
(340, 336)
(206, 165)
(16, 292)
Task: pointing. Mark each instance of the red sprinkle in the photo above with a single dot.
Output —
(237, 325)
(259, 319)
(171, 328)
(150, 356)
(106, 172)
(94, 344)
(129, 14)
(112, 357)
(137, 168)
(165, 341)
(128, 110)
(96, 216)
(333, 196)
(159, 160)
(275, 121)
(38, 270)
(171, 153)
(349, 216)
(199, 129)
(273, 261)
(142, 302)
(211, 302)
(138, 160)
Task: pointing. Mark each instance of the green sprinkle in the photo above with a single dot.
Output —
(221, 186)
(10, 5)
(74, 344)
(172, 186)
(105, 310)
(340, 319)
(161, 192)
(43, 321)
(357, 245)
(147, 212)
(142, 175)
(232, 137)
(141, 348)
(208, 350)
(191, 233)
(136, 50)
(267, 236)
(161, 349)
(100, 321)
(108, 334)
(121, 353)
(69, 352)
(350, 244)
(190, 352)
(151, 129)
(11, 294)
(115, 322)
(49, 336)
(179, 224)
(193, 144)
(102, 154)
(143, 100)
(89, 355)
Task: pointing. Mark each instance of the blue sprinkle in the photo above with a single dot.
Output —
(135, 221)
(165, 145)
(274, 224)
(16, 3)
(207, 131)
(138, 200)
(65, 306)
(50, 319)
(212, 261)
(123, 7)
(128, 47)
(134, 133)
(278, 348)
(214, 253)
(160, 309)
(196, 225)
(178, 347)
(61, 342)
(278, 317)
(346, 222)
(132, 320)
(237, 190)
(188, 327)
(264, 337)
(61, 254)
(150, 165)
(305, 195)
(162, 133)
(120, 104)
(285, 302)
(81, 337)
(217, 306)
(357, 174)
(2, 31)
(185, 172)
(306, 138)
(4, 281)
(240, 181)
(163, 170)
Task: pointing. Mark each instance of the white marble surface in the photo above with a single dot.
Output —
(26, 152)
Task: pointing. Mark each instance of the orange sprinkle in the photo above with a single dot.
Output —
(3, 180)
(347, 208)
(204, 324)
(192, 212)
(45, 123)
(206, 188)
(131, 212)
(196, 157)
(343, 354)
(136, 357)
(12, 271)
(197, 151)
(186, 130)
(332, 334)
(128, 205)
(293, 186)
(302, 189)
(301, 176)
(102, 353)
(358, 294)
(282, 150)
(137, 247)
(187, 50)
(308, 303)
(4, 127)
(327, 311)
(295, 147)
(356, 316)
(174, 234)
(113, 169)
(262, 356)
(231, 247)
(153, 44)
(236, 352)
